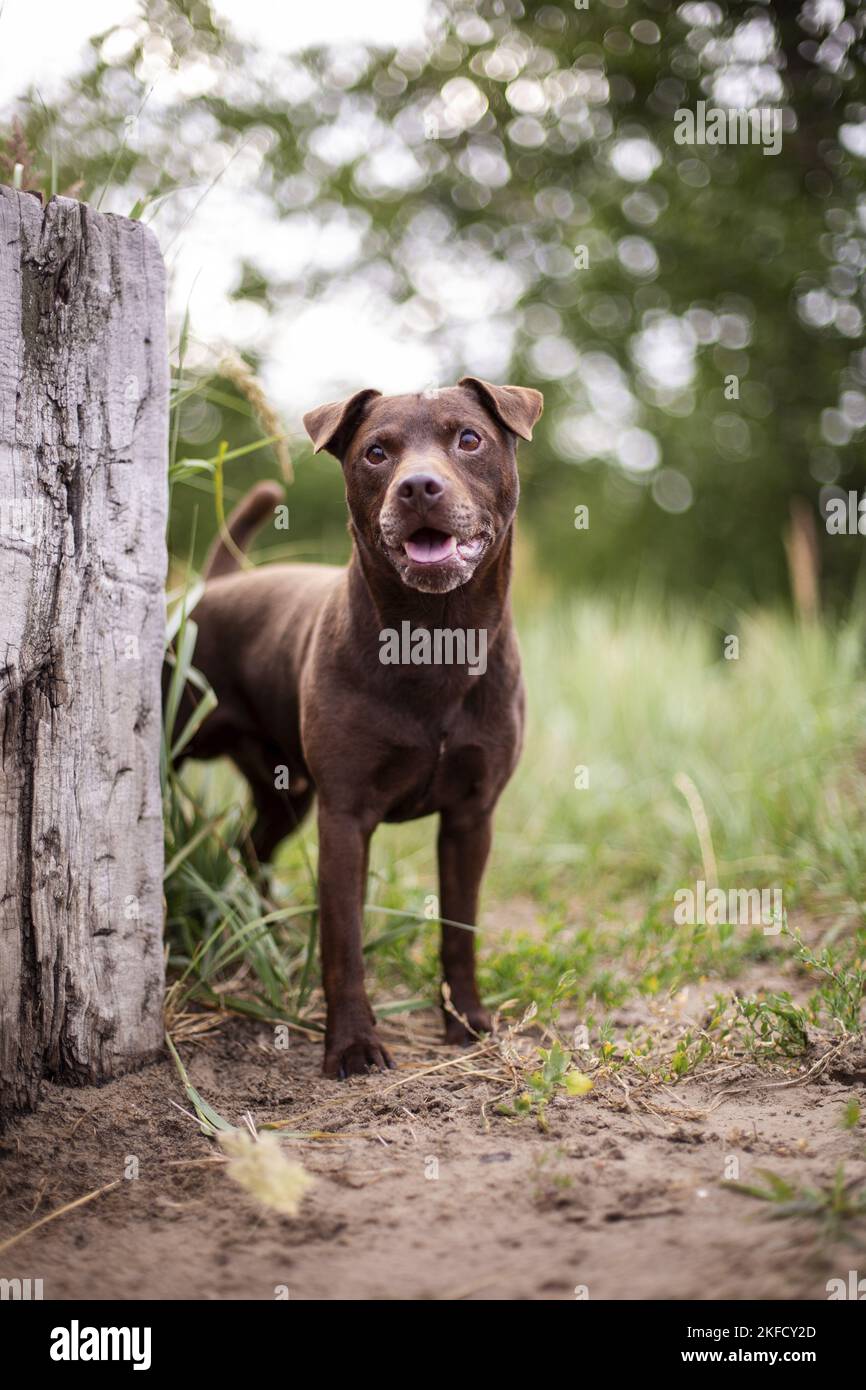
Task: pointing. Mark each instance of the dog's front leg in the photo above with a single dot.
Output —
(464, 845)
(351, 1041)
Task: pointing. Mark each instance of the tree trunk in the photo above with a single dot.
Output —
(83, 448)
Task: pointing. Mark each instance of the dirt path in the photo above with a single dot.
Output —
(628, 1204)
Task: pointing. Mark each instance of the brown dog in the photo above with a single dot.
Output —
(352, 679)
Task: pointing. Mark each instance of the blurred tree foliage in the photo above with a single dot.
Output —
(693, 312)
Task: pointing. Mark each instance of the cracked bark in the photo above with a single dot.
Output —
(83, 445)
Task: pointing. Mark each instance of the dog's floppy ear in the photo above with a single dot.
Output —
(516, 407)
(331, 426)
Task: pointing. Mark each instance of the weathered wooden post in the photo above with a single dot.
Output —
(83, 445)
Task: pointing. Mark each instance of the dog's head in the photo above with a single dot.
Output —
(431, 479)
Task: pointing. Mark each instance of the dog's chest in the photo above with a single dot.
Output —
(453, 773)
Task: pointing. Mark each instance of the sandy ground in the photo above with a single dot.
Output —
(424, 1191)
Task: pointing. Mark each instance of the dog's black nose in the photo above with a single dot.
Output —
(420, 489)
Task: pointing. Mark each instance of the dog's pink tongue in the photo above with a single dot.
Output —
(428, 547)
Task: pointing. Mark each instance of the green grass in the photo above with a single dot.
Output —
(836, 1209)
(639, 695)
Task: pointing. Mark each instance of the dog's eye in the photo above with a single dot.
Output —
(375, 454)
(469, 441)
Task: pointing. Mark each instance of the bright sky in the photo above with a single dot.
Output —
(330, 347)
(42, 40)
(355, 337)
(300, 24)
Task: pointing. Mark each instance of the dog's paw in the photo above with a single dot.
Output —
(479, 1021)
(356, 1055)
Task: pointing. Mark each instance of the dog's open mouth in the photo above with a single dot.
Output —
(427, 546)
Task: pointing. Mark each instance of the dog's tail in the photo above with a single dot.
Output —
(242, 525)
